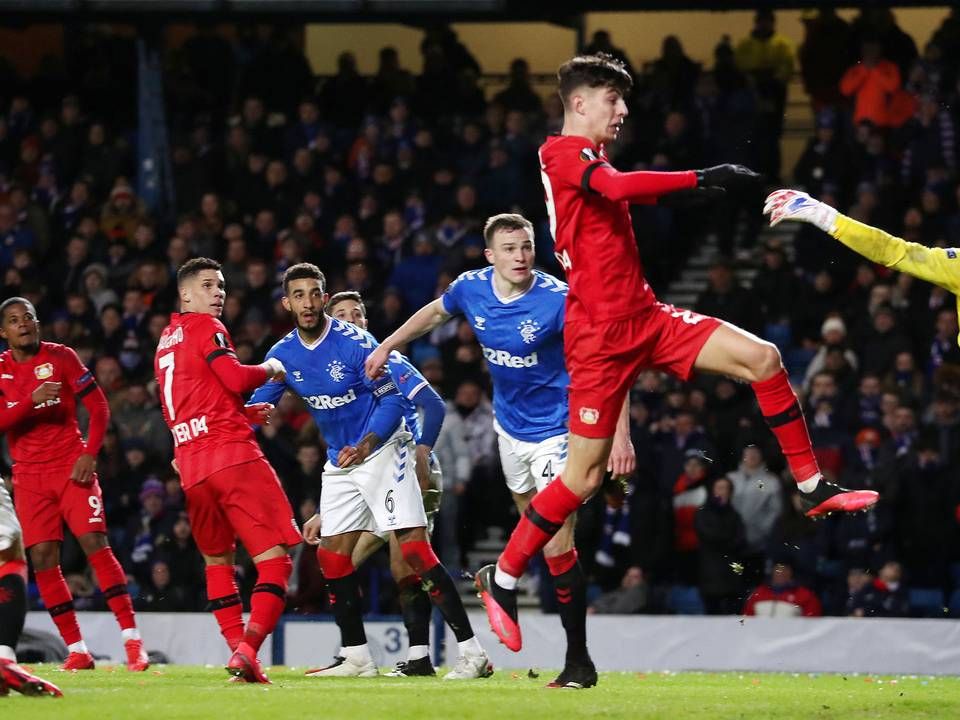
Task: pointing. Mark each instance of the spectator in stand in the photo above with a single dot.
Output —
(827, 51)
(884, 597)
(767, 57)
(782, 596)
(870, 83)
(758, 499)
(690, 491)
(629, 598)
(826, 159)
(722, 538)
(519, 94)
(727, 299)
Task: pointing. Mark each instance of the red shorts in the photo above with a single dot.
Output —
(47, 498)
(604, 359)
(245, 501)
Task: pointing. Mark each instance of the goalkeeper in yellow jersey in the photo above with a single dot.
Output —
(941, 266)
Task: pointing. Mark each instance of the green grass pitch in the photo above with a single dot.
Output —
(194, 692)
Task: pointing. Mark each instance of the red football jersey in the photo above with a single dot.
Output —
(593, 236)
(50, 433)
(210, 431)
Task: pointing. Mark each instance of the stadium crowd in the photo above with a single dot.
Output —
(385, 182)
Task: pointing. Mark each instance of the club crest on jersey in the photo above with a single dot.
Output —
(588, 155)
(528, 330)
(335, 368)
(589, 416)
(479, 322)
(297, 376)
(42, 372)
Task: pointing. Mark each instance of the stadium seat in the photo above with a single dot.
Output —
(685, 600)
(779, 334)
(926, 602)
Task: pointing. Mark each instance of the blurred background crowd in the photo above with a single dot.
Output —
(385, 181)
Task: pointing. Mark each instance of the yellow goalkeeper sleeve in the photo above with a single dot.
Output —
(940, 266)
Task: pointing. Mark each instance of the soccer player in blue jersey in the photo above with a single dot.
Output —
(517, 315)
(369, 480)
(415, 603)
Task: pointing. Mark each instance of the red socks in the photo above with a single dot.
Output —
(14, 567)
(113, 584)
(334, 565)
(56, 596)
(781, 410)
(541, 520)
(559, 564)
(225, 601)
(268, 600)
(419, 556)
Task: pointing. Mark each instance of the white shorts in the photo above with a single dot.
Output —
(436, 482)
(530, 465)
(382, 494)
(10, 531)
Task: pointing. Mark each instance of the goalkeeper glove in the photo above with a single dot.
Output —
(797, 205)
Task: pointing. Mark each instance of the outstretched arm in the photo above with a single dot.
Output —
(420, 323)
(940, 266)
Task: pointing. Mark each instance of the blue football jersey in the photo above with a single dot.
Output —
(409, 381)
(522, 340)
(328, 374)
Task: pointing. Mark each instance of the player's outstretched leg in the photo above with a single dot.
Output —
(344, 593)
(473, 661)
(571, 589)
(113, 584)
(735, 352)
(416, 608)
(59, 603)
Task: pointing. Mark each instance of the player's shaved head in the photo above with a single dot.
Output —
(16, 300)
(191, 268)
(303, 271)
(507, 222)
(593, 71)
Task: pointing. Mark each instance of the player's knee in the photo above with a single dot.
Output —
(93, 542)
(44, 556)
(764, 361)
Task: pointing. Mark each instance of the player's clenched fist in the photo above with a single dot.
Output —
(47, 391)
(376, 362)
(274, 368)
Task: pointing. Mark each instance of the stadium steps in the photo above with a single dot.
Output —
(684, 291)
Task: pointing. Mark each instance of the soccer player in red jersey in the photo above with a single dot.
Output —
(615, 327)
(231, 489)
(54, 474)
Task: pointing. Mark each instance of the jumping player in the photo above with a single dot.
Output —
(935, 265)
(615, 327)
(517, 315)
(369, 481)
(415, 604)
(231, 490)
(13, 605)
(54, 474)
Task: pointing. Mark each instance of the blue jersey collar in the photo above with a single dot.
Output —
(323, 336)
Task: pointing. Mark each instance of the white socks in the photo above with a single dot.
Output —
(357, 654)
(7, 653)
(507, 582)
(78, 647)
(470, 647)
(417, 652)
(130, 634)
(808, 486)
